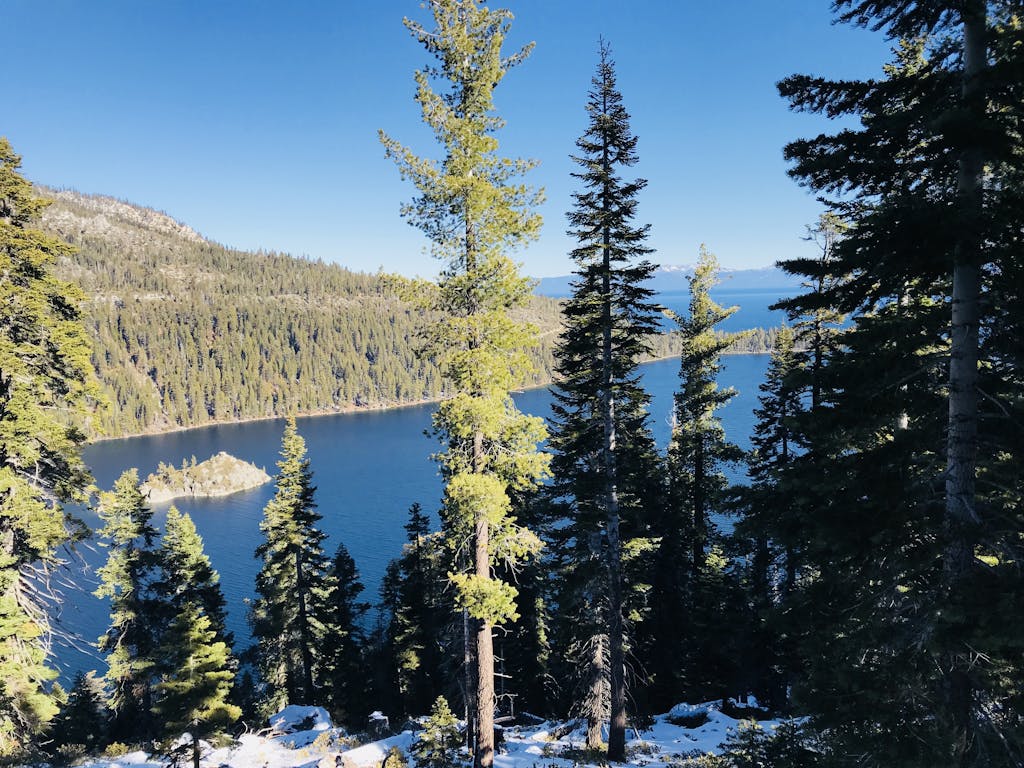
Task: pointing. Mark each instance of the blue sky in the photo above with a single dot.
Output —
(256, 122)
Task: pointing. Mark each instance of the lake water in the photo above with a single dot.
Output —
(369, 467)
(753, 306)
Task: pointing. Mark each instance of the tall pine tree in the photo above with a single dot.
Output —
(605, 463)
(342, 649)
(767, 526)
(192, 697)
(927, 184)
(292, 583)
(127, 580)
(689, 579)
(188, 576)
(474, 213)
(47, 389)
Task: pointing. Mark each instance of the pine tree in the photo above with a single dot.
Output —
(420, 613)
(605, 461)
(474, 214)
(926, 184)
(47, 391)
(193, 695)
(127, 579)
(344, 672)
(83, 720)
(768, 524)
(292, 583)
(689, 586)
(437, 744)
(188, 576)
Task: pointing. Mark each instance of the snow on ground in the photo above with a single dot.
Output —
(687, 730)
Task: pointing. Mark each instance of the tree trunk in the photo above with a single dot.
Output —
(700, 529)
(484, 754)
(617, 721)
(961, 518)
(594, 706)
(305, 641)
(469, 678)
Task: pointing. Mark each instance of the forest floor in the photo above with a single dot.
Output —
(672, 739)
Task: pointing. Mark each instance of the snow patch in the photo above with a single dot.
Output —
(295, 718)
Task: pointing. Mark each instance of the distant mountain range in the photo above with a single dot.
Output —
(673, 279)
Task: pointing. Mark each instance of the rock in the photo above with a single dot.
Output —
(220, 475)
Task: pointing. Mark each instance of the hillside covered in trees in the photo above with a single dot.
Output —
(187, 332)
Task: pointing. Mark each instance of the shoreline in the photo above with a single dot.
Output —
(334, 411)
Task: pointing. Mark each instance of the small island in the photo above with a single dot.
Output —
(220, 475)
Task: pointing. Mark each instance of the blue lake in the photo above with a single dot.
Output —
(368, 466)
(753, 306)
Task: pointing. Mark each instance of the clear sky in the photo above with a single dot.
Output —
(256, 122)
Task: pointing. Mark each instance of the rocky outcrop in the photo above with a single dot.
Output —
(220, 475)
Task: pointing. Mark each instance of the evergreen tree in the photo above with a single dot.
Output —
(81, 726)
(767, 526)
(193, 695)
(342, 652)
(46, 394)
(127, 579)
(474, 214)
(920, 674)
(690, 581)
(420, 614)
(293, 581)
(188, 576)
(605, 462)
(437, 745)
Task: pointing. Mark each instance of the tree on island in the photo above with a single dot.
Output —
(474, 213)
(605, 465)
(292, 583)
(47, 392)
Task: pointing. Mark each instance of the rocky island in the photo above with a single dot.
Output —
(220, 475)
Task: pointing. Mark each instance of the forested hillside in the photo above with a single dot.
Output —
(187, 332)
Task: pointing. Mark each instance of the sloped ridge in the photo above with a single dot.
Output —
(101, 215)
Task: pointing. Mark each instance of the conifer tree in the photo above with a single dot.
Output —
(913, 577)
(127, 579)
(605, 462)
(474, 214)
(768, 521)
(420, 614)
(188, 576)
(342, 650)
(689, 575)
(84, 718)
(193, 695)
(47, 390)
(292, 583)
(438, 743)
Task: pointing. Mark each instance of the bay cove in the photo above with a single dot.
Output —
(368, 467)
